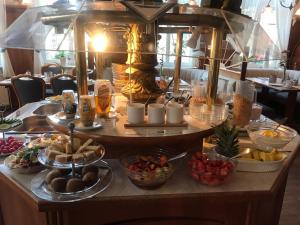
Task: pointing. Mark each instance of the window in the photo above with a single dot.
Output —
(53, 40)
(167, 50)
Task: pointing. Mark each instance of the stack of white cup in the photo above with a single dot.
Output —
(156, 113)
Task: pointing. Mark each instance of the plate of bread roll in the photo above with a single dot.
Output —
(62, 155)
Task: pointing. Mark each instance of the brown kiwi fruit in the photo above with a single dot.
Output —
(86, 169)
(90, 178)
(74, 185)
(51, 175)
(58, 184)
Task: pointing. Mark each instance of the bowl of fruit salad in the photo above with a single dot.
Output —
(149, 169)
(268, 136)
(211, 168)
(10, 145)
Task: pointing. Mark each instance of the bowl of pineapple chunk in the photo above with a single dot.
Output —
(260, 161)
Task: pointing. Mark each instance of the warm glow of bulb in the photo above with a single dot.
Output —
(27, 2)
(100, 42)
(297, 13)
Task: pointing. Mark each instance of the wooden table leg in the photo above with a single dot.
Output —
(290, 107)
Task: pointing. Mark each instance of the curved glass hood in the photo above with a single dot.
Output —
(247, 41)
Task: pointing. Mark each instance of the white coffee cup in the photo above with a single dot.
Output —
(156, 113)
(174, 113)
(135, 113)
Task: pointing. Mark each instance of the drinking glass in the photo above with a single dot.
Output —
(103, 97)
(68, 103)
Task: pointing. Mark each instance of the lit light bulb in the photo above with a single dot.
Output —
(27, 2)
(297, 13)
(100, 42)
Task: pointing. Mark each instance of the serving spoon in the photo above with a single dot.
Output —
(181, 155)
(245, 152)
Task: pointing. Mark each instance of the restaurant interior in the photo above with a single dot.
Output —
(174, 112)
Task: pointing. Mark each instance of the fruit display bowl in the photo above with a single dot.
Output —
(149, 169)
(268, 136)
(211, 169)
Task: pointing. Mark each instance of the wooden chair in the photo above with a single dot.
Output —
(28, 88)
(63, 82)
(54, 68)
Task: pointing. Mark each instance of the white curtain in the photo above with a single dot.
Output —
(38, 61)
(7, 67)
(283, 22)
(254, 8)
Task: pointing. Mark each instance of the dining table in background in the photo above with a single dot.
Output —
(292, 92)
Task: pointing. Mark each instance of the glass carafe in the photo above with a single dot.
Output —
(242, 103)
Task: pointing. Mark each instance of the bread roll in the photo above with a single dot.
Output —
(51, 154)
(65, 158)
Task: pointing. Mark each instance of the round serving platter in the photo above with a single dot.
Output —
(43, 159)
(78, 126)
(41, 190)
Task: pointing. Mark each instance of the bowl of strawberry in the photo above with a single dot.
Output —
(150, 169)
(211, 169)
(10, 145)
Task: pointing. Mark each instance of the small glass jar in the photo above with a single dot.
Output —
(87, 110)
(68, 103)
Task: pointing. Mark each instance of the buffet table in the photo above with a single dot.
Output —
(247, 198)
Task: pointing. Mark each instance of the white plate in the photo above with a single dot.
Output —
(276, 84)
(29, 170)
(259, 166)
(62, 117)
(78, 125)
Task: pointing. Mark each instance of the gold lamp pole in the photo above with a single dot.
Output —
(81, 74)
(214, 65)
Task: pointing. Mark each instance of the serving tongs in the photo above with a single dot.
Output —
(71, 127)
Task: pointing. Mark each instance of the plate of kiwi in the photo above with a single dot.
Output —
(9, 124)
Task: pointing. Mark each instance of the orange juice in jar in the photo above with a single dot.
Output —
(103, 97)
(87, 110)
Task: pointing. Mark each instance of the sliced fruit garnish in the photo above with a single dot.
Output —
(4, 126)
(270, 133)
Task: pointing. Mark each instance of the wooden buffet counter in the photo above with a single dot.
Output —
(247, 199)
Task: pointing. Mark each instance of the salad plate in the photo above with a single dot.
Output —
(24, 161)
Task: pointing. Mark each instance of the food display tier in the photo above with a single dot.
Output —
(114, 132)
(40, 189)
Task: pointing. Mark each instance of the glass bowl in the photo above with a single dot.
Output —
(268, 135)
(211, 168)
(149, 169)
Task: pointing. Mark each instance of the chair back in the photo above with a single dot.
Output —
(54, 68)
(63, 82)
(28, 88)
